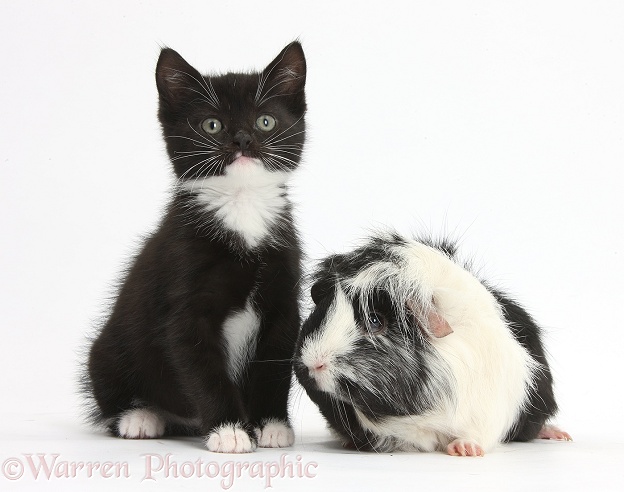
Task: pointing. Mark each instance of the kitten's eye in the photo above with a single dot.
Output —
(375, 323)
(266, 122)
(211, 126)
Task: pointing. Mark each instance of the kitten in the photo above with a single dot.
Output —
(201, 335)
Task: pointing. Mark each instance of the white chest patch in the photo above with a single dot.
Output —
(240, 334)
(247, 199)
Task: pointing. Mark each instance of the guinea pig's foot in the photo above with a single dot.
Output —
(552, 432)
(275, 433)
(461, 447)
(140, 423)
(231, 438)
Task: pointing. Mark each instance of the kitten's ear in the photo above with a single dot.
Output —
(175, 78)
(286, 75)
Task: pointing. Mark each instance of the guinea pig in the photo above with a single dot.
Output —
(406, 350)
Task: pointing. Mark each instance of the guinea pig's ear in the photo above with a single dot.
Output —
(437, 325)
(321, 289)
(429, 320)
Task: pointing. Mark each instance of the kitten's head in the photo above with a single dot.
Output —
(211, 121)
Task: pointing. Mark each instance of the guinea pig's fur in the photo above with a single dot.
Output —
(407, 350)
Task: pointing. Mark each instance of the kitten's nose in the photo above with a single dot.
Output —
(242, 139)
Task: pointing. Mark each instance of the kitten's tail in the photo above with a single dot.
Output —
(89, 409)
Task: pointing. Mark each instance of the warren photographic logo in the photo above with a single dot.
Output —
(157, 467)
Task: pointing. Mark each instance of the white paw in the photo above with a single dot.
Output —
(275, 434)
(462, 447)
(230, 438)
(140, 423)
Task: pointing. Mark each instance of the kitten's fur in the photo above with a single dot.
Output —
(200, 338)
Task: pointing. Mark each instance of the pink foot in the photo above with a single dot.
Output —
(552, 432)
(460, 447)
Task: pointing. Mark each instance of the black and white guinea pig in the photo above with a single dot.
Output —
(407, 350)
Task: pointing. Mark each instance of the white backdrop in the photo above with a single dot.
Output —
(499, 122)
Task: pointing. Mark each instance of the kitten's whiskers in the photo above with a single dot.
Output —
(272, 138)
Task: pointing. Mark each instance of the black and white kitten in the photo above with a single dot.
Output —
(201, 335)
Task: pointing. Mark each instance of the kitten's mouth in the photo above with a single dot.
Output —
(243, 160)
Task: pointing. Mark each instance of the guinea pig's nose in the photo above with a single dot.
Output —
(317, 368)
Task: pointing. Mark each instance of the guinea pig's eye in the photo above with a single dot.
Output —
(211, 126)
(375, 323)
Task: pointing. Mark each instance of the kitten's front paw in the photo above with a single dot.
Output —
(231, 438)
(140, 423)
(275, 434)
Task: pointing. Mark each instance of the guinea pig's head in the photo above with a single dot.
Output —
(368, 340)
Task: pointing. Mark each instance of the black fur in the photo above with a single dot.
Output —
(541, 405)
(162, 345)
